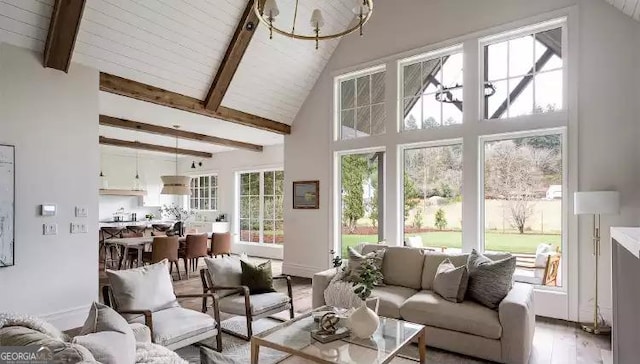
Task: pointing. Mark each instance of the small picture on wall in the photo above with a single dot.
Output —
(7, 205)
(306, 195)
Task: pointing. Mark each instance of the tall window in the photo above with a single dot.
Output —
(361, 186)
(432, 91)
(524, 75)
(204, 193)
(361, 110)
(523, 187)
(433, 196)
(261, 207)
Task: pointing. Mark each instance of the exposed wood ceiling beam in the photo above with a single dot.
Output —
(183, 134)
(63, 28)
(235, 51)
(140, 91)
(153, 147)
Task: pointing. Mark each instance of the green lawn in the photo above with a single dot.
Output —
(511, 242)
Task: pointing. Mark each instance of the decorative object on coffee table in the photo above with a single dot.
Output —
(306, 195)
(328, 329)
(363, 322)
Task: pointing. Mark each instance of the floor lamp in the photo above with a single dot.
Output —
(596, 203)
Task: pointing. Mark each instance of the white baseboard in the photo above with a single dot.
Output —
(67, 319)
(585, 313)
(298, 270)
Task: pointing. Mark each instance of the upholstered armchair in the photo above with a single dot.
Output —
(222, 280)
(145, 295)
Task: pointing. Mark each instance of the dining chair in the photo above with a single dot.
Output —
(132, 255)
(109, 249)
(220, 244)
(159, 228)
(164, 247)
(137, 229)
(194, 248)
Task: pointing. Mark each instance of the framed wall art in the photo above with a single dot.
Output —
(7, 205)
(306, 194)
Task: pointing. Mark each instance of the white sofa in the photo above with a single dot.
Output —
(469, 328)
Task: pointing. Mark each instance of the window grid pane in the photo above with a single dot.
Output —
(261, 209)
(358, 117)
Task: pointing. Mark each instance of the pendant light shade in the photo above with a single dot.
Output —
(176, 185)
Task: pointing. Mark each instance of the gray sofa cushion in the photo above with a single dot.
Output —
(63, 352)
(489, 280)
(175, 324)
(451, 281)
(108, 336)
(354, 266)
(391, 299)
(402, 266)
(431, 262)
(260, 303)
(428, 308)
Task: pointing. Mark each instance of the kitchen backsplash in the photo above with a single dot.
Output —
(110, 204)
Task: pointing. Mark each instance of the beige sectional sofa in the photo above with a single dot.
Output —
(468, 328)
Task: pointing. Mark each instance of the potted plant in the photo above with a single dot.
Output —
(178, 214)
(363, 322)
(149, 217)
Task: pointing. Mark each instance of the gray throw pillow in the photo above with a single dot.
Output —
(489, 281)
(225, 272)
(451, 282)
(354, 267)
(108, 336)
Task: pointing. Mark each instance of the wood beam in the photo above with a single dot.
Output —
(63, 29)
(140, 91)
(235, 51)
(183, 134)
(152, 147)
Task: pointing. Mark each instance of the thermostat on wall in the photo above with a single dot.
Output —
(48, 210)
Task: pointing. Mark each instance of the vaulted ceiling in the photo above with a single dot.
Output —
(629, 7)
(179, 46)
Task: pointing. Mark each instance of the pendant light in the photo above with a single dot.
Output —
(176, 184)
(104, 184)
(137, 184)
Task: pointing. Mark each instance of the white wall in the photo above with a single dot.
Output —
(52, 119)
(226, 165)
(119, 168)
(607, 133)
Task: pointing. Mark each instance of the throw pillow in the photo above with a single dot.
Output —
(145, 288)
(451, 282)
(489, 281)
(226, 272)
(107, 336)
(257, 277)
(354, 266)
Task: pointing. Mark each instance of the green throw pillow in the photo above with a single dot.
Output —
(257, 277)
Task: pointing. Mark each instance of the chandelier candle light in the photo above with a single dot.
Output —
(268, 13)
(176, 184)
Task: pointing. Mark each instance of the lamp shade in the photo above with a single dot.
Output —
(596, 203)
(271, 8)
(176, 185)
(317, 20)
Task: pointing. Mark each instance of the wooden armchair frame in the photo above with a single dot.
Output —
(209, 289)
(107, 295)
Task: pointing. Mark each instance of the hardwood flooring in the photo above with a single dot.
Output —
(555, 341)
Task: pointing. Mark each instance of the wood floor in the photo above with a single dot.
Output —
(555, 341)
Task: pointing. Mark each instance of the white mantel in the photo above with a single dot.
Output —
(625, 271)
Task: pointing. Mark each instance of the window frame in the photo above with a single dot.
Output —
(562, 131)
(196, 178)
(337, 100)
(559, 22)
(437, 53)
(261, 196)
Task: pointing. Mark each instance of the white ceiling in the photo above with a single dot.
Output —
(629, 7)
(178, 45)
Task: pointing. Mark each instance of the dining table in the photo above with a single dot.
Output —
(137, 243)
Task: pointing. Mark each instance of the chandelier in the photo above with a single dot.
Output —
(267, 12)
(176, 184)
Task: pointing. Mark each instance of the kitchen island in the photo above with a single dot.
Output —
(625, 277)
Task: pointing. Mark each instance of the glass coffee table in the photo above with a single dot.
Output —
(294, 337)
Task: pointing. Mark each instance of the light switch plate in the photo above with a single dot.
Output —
(48, 210)
(81, 211)
(49, 229)
(78, 228)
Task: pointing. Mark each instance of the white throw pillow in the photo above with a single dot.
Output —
(225, 271)
(542, 255)
(414, 242)
(145, 288)
(108, 336)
